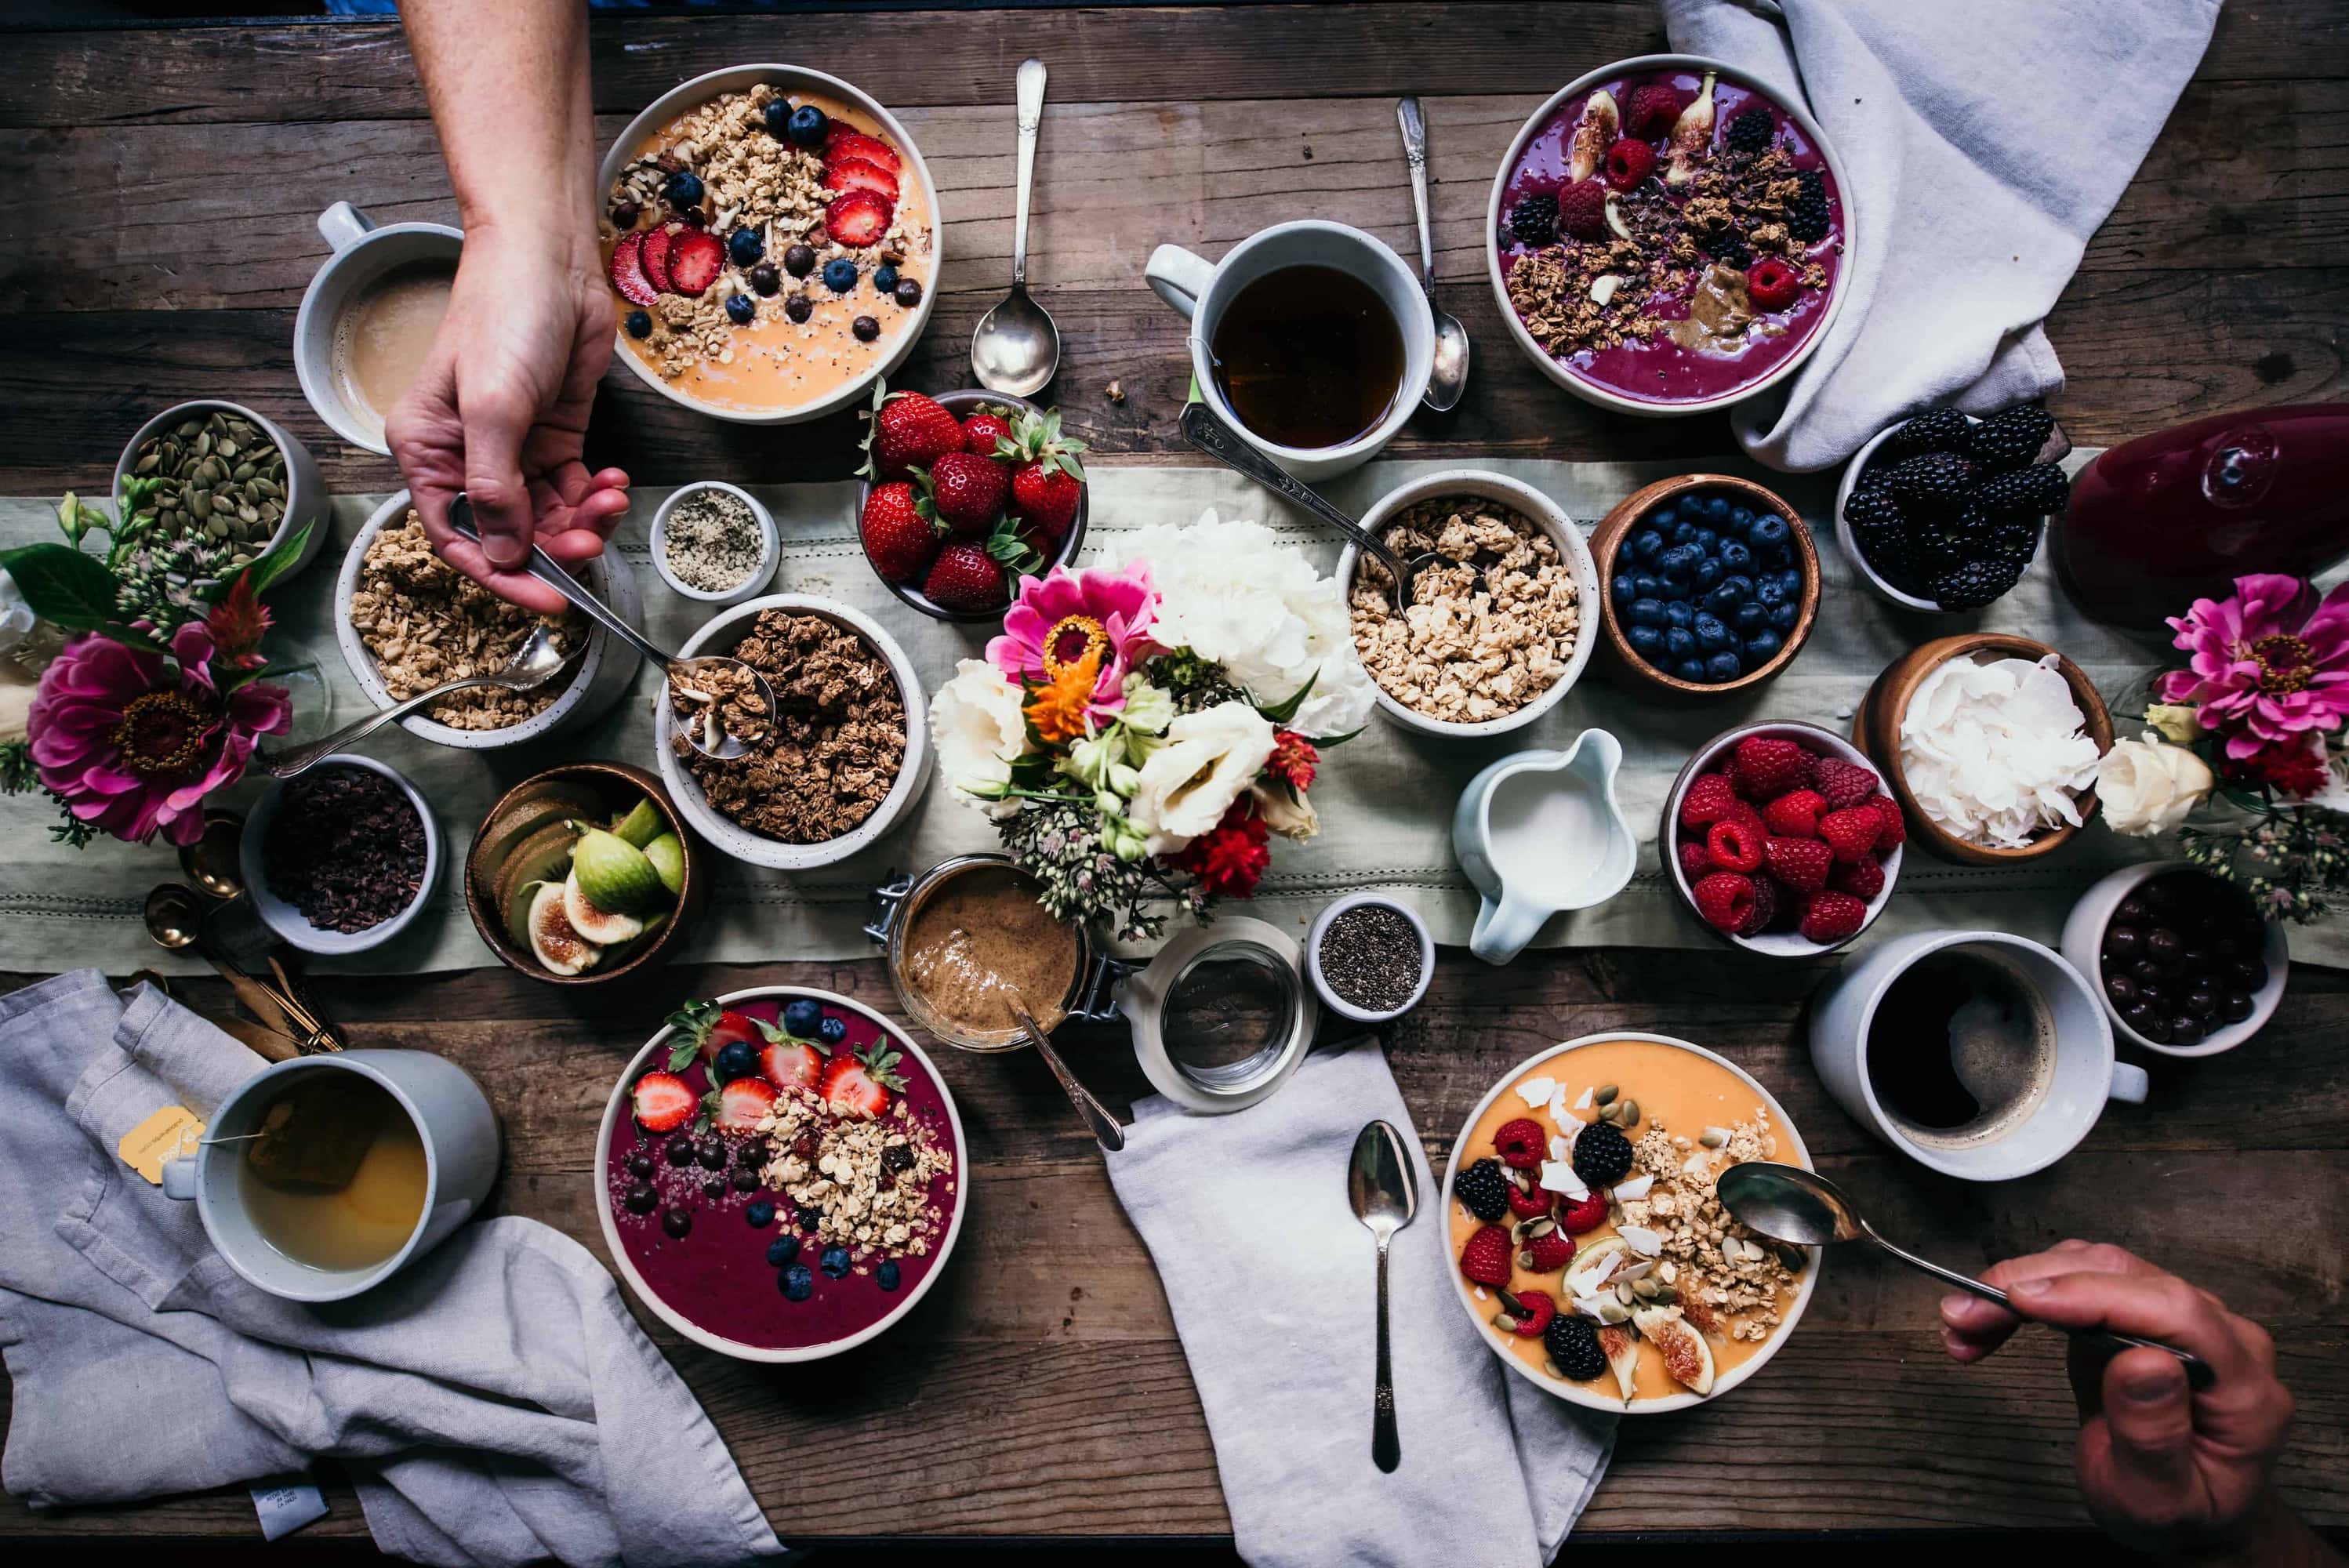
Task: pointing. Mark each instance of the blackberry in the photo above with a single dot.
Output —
(1886, 547)
(1483, 1189)
(2010, 438)
(2016, 539)
(1534, 221)
(1752, 132)
(1806, 216)
(1602, 1155)
(1573, 1347)
(1934, 431)
(2025, 492)
(1875, 506)
(1935, 480)
(1731, 252)
(1970, 584)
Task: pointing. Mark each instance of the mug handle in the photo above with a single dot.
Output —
(2129, 1083)
(344, 225)
(180, 1178)
(1180, 278)
(1504, 928)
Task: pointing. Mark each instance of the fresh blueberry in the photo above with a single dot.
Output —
(798, 308)
(1663, 517)
(1706, 539)
(885, 277)
(1771, 592)
(1740, 519)
(1708, 572)
(1716, 509)
(765, 278)
(840, 274)
(778, 117)
(1679, 643)
(835, 1261)
(797, 1282)
(735, 1059)
(1725, 598)
(1645, 613)
(1783, 616)
(1624, 589)
(682, 189)
(1683, 557)
(865, 328)
(1646, 544)
(888, 1275)
(1791, 580)
(1649, 584)
(1722, 666)
(808, 126)
(1675, 585)
(1763, 646)
(832, 1030)
(1682, 531)
(761, 1214)
(741, 309)
(1737, 555)
(746, 246)
(1769, 536)
(1742, 584)
(798, 260)
(639, 324)
(1680, 613)
(810, 1219)
(783, 1250)
(1749, 617)
(1711, 634)
(802, 1017)
(1690, 669)
(1646, 641)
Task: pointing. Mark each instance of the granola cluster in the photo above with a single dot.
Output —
(1482, 637)
(427, 623)
(867, 1179)
(1730, 1283)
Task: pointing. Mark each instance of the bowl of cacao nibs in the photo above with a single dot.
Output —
(1944, 511)
(339, 858)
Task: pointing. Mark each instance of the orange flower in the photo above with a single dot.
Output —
(1057, 708)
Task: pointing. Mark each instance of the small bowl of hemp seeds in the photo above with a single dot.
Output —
(1369, 957)
(714, 544)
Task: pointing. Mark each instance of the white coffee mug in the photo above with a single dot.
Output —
(1202, 291)
(452, 1117)
(2085, 1072)
(363, 254)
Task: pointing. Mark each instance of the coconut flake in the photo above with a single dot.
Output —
(1634, 1189)
(1584, 1103)
(1558, 1176)
(1535, 1090)
(1641, 1240)
(1996, 753)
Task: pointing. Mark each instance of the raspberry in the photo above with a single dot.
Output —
(1800, 863)
(1485, 1258)
(1696, 861)
(1587, 1214)
(1724, 899)
(1602, 1155)
(1765, 907)
(1483, 1189)
(1772, 284)
(1651, 111)
(1532, 1309)
(1734, 846)
(1832, 917)
(1573, 1342)
(1796, 814)
(1842, 784)
(1767, 767)
(1548, 1253)
(1709, 798)
(1863, 879)
(1852, 833)
(1522, 1143)
(1744, 814)
(1528, 1202)
(1582, 210)
(1895, 828)
(1629, 162)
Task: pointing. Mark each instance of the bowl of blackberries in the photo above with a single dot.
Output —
(1943, 512)
(1708, 582)
(2182, 959)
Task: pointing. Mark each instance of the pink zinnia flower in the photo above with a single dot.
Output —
(133, 742)
(2268, 665)
(1063, 615)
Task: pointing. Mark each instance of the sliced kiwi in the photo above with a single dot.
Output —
(535, 806)
(641, 824)
(545, 856)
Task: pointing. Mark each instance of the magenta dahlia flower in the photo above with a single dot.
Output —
(2269, 664)
(133, 742)
(1063, 615)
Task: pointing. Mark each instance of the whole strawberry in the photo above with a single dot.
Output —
(967, 491)
(898, 539)
(910, 431)
(984, 432)
(1047, 482)
(965, 577)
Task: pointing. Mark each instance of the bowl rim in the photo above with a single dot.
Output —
(1606, 397)
(2118, 884)
(1329, 997)
(1813, 735)
(1573, 1393)
(770, 545)
(696, 90)
(287, 444)
(1544, 513)
(1615, 528)
(625, 1265)
(731, 838)
(299, 932)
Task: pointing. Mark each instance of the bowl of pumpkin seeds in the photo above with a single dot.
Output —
(205, 490)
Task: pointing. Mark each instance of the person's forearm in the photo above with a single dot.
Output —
(508, 86)
(2271, 1536)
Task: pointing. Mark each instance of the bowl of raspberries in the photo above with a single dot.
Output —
(964, 494)
(1944, 511)
(1709, 583)
(1782, 839)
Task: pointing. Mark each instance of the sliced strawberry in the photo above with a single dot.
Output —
(696, 257)
(660, 1102)
(654, 256)
(860, 1085)
(857, 218)
(845, 143)
(744, 1104)
(628, 271)
(732, 1026)
(792, 1064)
(858, 174)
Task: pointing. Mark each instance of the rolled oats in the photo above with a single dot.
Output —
(868, 1180)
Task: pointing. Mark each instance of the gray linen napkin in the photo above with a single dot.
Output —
(495, 1404)
(1271, 1278)
(1984, 141)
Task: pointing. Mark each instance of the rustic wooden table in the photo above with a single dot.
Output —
(158, 235)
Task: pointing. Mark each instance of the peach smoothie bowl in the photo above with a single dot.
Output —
(1585, 1240)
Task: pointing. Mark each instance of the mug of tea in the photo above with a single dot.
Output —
(322, 1176)
(1311, 339)
(368, 317)
(1980, 1055)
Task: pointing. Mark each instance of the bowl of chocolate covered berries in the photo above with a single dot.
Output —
(2182, 959)
(1944, 511)
(1708, 584)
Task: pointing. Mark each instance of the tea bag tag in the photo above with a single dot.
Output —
(171, 1133)
(288, 1505)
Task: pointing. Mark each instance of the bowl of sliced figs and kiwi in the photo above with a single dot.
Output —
(1944, 511)
(583, 874)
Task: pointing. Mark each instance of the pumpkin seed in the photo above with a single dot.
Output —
(1609, 1113)
(1631, 1117)
(1645, 1289)
(1712, 1138)
(1504, 1323)
(1607, 1093)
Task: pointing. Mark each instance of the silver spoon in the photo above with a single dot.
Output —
(1448, 376)
(1787, 1204)
(1015, 349)
(539, 660)
(1220, 442)
(1384, 1191)
(174, 918)
(544, 567)
(1098, 1120)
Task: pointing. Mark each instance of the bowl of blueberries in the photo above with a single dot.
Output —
(1710, 584)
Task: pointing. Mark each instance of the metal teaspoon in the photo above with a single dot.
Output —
(1447, 376)
(1384, 1191)
(1015, 348)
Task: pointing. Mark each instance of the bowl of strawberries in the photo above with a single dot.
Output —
(1782, 839)
(964, 494)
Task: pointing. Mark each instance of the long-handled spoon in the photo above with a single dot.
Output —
(215, 863)
(539, 660)
(1448, 374)
(1787, 1204)
(1098, 1120)
(1015, 348)
(175, 920)
(1384, 1191)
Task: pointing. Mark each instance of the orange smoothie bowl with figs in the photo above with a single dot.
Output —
(1586, 1240)
(771, 238)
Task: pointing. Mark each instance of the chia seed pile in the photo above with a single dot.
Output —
(345, 848)
(1371, 957)
(712, 540)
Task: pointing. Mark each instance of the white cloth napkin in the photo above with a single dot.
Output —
(1984, 141)
(1271, 1279)
(495, 1405)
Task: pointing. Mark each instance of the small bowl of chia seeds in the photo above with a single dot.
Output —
(339, 858)
(1369, 957)
(715, 544)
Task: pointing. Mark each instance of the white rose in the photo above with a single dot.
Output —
(1286, 812)
(2148, 788)
(978, 727)
(1208, 759)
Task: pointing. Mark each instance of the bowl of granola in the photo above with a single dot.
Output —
(1665, 236)
(780, 1174)
(1589, 1247)
(772, 239)
(836, 766)
(407, 622)
(1433, 664)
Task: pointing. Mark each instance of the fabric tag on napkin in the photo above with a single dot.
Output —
(287, 1506)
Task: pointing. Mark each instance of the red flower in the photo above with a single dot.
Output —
(2295, 769)
(237, 623)
(1293, 760)
(1229, 858)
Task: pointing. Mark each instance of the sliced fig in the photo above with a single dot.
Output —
(553, 940)
(1601, 123)
(1691, 134)
(1686, 1356)
(1622, 1353)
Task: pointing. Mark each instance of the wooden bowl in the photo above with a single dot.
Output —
(613, 778)
(1617, 526)
(1876, 730)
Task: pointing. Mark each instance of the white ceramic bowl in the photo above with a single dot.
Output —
(1601, 395)
(604, 673)
(750, 587)
(289, 923)
(306, 499)
(2083, 947)
(1861, 566)
(1329, 997)
(1821, 742)
(735, 78)
(1552, 520)
(1480, 1313)
(616, 1106)
(718, 636)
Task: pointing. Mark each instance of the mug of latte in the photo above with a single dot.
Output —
(368, 317)
(1980, 1055)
